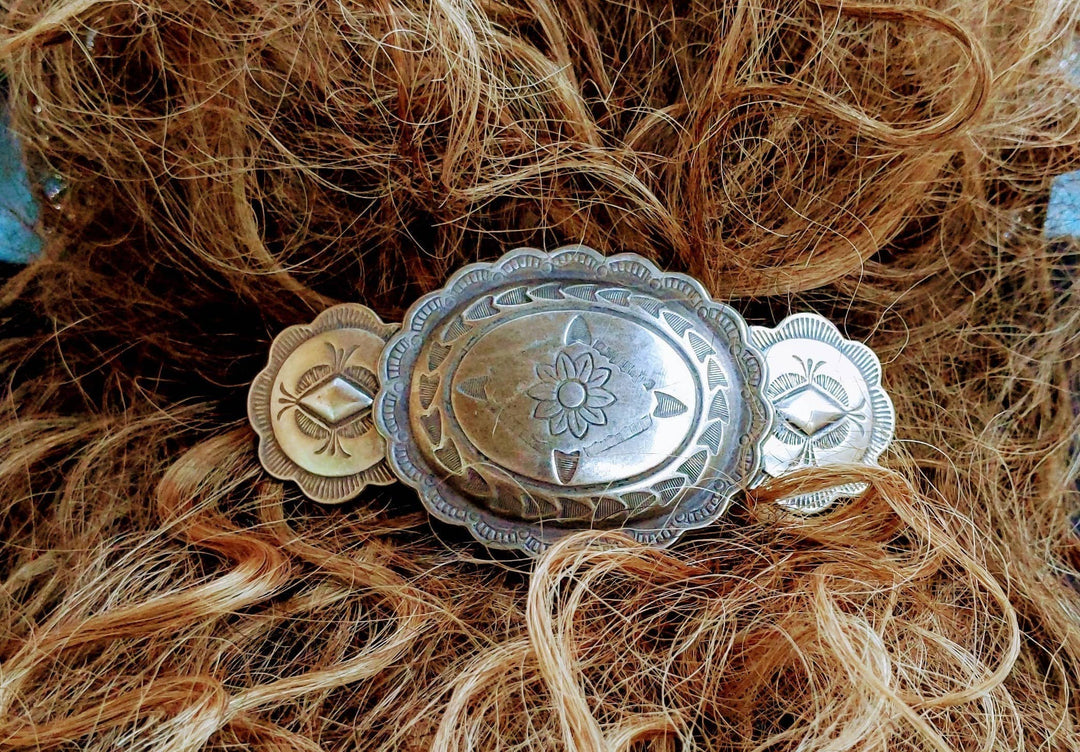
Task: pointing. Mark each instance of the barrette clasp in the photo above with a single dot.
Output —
(550, 391)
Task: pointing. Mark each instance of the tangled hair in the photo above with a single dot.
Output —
(235, 167)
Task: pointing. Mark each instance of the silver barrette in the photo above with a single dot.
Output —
(553, 391)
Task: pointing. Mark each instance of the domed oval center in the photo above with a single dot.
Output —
(575, 398)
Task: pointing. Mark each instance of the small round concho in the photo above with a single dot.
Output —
(311, 405)
(829, 404)
(548, 392)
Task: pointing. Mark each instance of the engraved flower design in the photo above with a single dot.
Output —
(570, 395)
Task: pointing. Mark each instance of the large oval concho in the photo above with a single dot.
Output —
(547, 392)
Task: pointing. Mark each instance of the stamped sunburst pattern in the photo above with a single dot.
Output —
(312, 405)
(829, 404)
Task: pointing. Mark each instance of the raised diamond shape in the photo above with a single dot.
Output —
(809, 409)
(336, 400)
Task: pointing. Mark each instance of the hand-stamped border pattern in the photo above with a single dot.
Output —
(262, 414)
(398, 368)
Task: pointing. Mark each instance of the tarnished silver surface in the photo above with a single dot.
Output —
(311, 405)
(828, 402)
(547, 392)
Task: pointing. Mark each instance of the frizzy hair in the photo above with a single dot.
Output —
(234, 168)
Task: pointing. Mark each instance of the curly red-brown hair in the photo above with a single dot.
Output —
(235, 167)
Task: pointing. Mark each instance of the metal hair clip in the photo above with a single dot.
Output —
(548, 392)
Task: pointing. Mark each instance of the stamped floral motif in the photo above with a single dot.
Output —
(571, 395)
(550, 391)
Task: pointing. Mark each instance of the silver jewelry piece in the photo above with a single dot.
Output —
(311, 405)
(549, 392)
(828, 402)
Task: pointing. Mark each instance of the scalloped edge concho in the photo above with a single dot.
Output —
(291, 437)
(872, 418)
(548, 392)
(722, 462)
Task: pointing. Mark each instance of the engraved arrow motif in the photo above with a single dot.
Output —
(668, 406)
(578, 331)
(476, 387)
(566, 465)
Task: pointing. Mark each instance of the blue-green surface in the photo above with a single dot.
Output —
(1063, 212)
(18, 210)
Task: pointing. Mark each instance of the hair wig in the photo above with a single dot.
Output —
(235, 167)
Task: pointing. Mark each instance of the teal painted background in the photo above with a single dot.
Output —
(18, 210)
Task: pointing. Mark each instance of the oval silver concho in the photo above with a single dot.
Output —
(829, 404)
(548, 392)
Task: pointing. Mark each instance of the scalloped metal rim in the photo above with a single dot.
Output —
(272, 457)
(494, 531)
(884, 420)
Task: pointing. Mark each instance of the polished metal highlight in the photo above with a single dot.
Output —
(311, 405)
(828, 401)
(549, 392)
